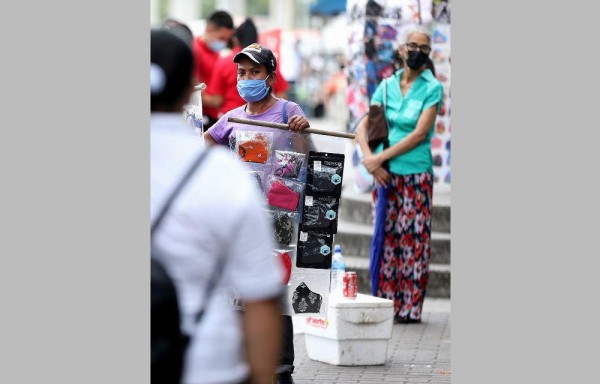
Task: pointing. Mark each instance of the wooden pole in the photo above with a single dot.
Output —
(285, 127)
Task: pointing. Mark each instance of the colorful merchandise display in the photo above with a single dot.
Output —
(301, 187)
(440, 55)
(377, 27)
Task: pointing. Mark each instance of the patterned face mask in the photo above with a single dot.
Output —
(288, 164)
(283, 229)
(306, 301)
(254, 150)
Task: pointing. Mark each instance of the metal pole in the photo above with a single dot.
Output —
(285, 127)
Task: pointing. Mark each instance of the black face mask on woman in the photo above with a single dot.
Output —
(416, 59)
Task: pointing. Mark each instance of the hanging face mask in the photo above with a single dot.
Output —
(416, 59)
(306, 301)
(217, 45)
(284, 229)
(253, 90)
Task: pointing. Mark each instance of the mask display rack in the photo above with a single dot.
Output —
(304, 226)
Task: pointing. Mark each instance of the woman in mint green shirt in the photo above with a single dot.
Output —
(400, 250)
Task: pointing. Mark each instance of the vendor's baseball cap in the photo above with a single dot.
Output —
(258, 54)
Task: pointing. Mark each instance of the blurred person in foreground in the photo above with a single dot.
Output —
(207, 48)
(180, 29)
(222, 93)
(213, 217)
(256, 76)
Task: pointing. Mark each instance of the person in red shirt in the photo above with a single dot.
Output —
(222, 93)
(219, 29)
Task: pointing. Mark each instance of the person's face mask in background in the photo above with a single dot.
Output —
(253, 90)
(417, 50)
(416, 59)
(217, 37)
(217, 45)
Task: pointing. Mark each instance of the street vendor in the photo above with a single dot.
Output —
(256, 75)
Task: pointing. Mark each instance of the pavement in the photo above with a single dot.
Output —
(417, 353)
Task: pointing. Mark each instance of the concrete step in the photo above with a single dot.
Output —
(355, 239)
(356, 208)
(438, 285)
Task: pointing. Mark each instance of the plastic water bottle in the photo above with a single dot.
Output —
(338, 267)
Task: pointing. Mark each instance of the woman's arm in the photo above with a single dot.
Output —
(381, 176)
(361, 129)
(372, 162)
(361, 136)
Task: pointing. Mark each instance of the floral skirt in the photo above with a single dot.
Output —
(404, 268)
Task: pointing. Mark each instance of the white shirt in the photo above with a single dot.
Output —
(217, 214)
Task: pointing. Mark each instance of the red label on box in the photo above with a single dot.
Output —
(317, 322)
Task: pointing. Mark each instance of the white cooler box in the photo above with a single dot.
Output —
(356, 332)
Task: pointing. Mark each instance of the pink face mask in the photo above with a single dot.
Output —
(282, 196)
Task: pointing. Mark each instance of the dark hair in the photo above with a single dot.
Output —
(429, 65)
(179, 29)
(172, 58)
(220, 19)
(246, 33)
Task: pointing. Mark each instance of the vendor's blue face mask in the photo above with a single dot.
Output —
(253, 90)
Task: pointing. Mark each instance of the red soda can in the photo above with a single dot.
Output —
(350, 285)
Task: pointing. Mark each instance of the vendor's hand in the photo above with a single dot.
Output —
(298, 123)
(381, 176)
(372, 162)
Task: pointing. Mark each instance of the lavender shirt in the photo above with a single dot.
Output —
(223, 131)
